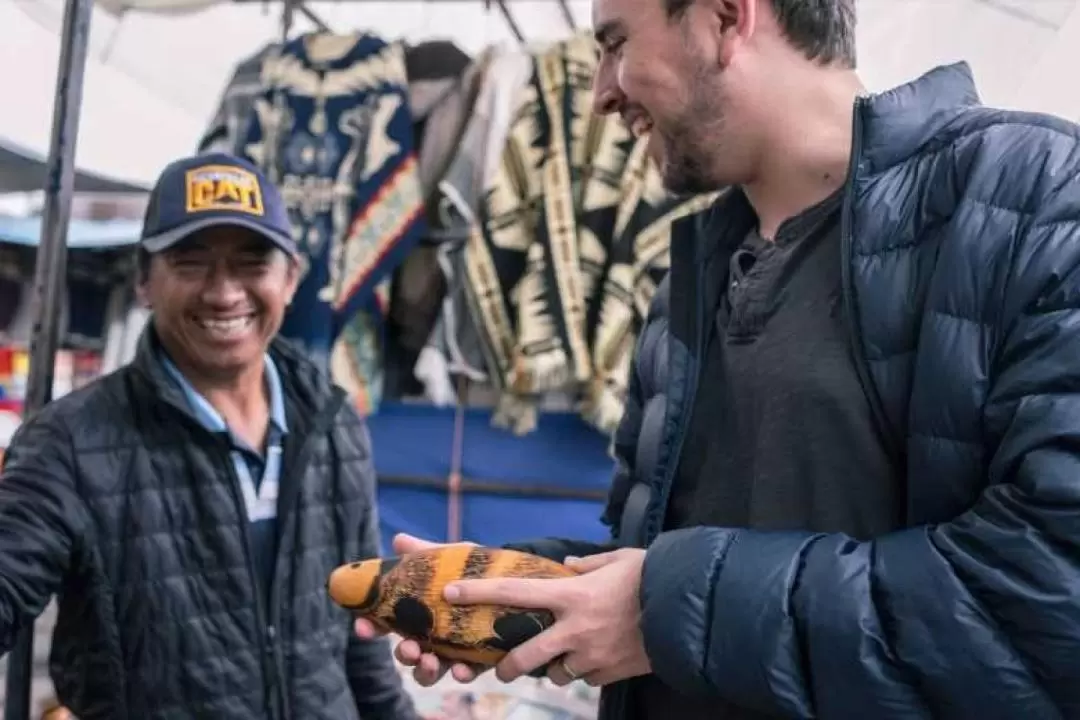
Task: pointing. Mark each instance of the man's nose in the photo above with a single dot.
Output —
(607, 98)
(222, 288)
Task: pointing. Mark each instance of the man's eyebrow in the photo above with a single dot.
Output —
(605, 30)
(256, 245)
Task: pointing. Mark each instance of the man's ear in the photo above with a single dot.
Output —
(140, 292)
(735, 23)
(295, 274)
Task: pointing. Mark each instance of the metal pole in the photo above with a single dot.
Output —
(50, 269)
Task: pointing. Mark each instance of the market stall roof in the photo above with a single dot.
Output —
(157, 67)
(82, 234)
(24, 170)
(154, 74)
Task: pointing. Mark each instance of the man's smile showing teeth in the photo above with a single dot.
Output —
(228, 328)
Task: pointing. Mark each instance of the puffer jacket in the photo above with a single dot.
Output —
(117, 500)
(961, 270)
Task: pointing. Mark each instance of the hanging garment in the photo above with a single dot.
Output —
(228, 126)
(559, 247)
(442, 80)
(454, 346)
(637, 260)
(419, 285)
(436, 73)
(333, 129)
(524, 283)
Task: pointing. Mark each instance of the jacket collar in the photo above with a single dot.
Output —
(896, 123)
(306, 390)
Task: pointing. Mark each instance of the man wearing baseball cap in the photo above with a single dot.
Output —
(187, 509)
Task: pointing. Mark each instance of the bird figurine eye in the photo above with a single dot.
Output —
(355, 586)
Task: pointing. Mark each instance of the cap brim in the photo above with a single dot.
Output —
(166, 240)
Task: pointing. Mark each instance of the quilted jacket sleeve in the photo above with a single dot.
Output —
(375, 681)
(41, 522)
(978, 617)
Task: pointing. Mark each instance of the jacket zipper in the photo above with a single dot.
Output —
(854, 329)
(320, 424)
(260, 612)
(656, 525)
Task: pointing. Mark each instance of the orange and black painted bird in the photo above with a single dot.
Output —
(405, 595)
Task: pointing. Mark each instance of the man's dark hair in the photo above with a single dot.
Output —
(824, 30)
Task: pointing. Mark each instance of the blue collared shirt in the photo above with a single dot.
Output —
(258, 473)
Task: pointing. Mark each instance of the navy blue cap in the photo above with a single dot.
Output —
(212, 190)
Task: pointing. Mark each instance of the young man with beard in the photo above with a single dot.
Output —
(848, 479)
(187, 509)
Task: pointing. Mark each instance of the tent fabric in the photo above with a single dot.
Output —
(153, 79)
(520, 477)
(157, 67)
(23, 170)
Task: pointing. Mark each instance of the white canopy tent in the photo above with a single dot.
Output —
(155, 73)
(157, 67)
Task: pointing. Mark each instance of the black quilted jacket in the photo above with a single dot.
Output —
(116, 499)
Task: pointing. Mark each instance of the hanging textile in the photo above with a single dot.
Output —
(570, 235)
(446, 93)
(439, 93)
(454, 345)
(637, 261)
(226, 130)
(442, 81)
(332, 128)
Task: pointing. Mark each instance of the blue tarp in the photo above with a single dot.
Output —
(563, 454)
(82, 234)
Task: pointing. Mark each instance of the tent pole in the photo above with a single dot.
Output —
(568, 16)
(286, 19)
(315, 19)
(50, 268)
(510, 22)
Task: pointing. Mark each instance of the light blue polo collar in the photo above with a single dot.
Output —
(210, 418)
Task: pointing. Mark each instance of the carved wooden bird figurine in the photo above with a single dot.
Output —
(405, 595)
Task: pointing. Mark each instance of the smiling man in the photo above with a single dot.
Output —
(187, 509)
(848, 475)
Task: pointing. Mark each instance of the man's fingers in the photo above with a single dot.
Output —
(539, 651)
(591, 562)
(366, 630)
(514, 592)
(463, 673)
(408, 652)
(429, 670)
(405, 543)
(557, 674)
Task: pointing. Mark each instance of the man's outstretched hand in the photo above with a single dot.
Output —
(428, 669)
